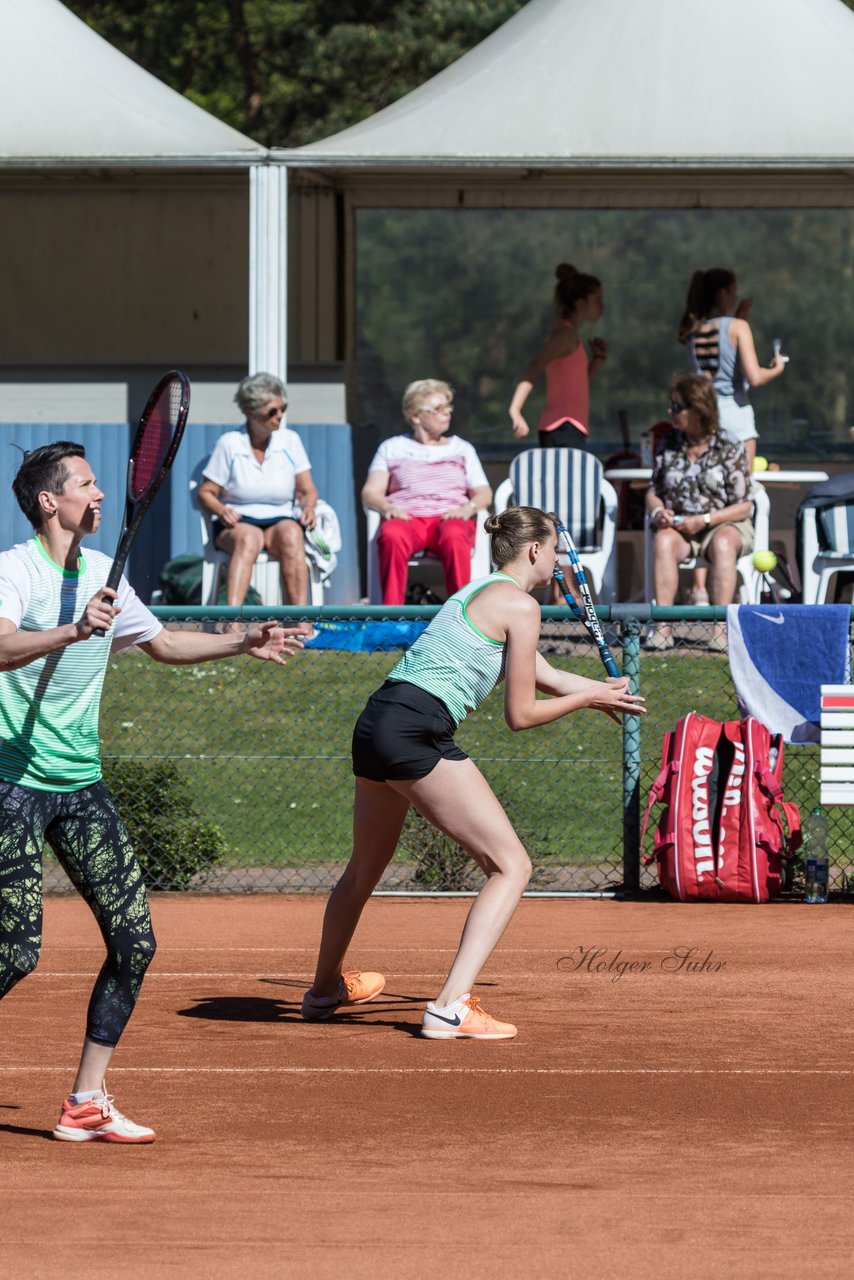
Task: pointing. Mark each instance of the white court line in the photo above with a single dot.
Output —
(240, 976)
(218, 973)
(457, 1071)
(310, 951)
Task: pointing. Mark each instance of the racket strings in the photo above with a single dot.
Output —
(155, 439)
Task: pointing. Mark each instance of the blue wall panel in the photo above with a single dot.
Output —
(107, 447)
(172, 525)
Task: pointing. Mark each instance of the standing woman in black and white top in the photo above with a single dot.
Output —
(719, 339)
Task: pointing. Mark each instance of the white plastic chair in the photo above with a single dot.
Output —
(266, 576)
(571, 483)
(749, 587)
(479, 556)
(827, 547)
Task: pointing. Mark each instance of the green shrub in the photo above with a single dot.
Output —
(440, 863)
(176, 847)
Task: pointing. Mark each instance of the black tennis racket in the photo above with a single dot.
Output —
(585, 612)
(154, 447)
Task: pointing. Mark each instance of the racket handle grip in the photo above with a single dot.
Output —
(111, 586)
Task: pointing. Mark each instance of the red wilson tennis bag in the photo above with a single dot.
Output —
(721, 834)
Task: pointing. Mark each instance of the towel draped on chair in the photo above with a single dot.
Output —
(780, 656)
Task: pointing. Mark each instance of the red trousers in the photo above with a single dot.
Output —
(398, 540)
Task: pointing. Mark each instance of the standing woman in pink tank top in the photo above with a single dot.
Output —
(564, 422)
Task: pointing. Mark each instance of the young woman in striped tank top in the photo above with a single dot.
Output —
(564, 422)
(404, 754)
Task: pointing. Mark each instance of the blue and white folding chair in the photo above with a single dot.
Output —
(572, 483)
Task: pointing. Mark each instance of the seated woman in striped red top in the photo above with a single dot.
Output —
(428, 488)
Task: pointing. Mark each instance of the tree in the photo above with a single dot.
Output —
(285, 72)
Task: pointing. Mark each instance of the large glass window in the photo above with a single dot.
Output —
(467, 296)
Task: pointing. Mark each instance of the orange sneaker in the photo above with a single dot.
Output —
(354, 988)
(463, 1020)
(98, 1120)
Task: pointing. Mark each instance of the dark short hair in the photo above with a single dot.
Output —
(43, 471)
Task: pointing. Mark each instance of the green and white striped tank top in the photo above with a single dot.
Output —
(452, 659)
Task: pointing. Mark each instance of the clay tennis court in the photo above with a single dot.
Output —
(651, 1119)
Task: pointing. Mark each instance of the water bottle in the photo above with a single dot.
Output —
(815, 862)
(646, 449)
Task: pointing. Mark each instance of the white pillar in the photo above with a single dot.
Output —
(268, 269)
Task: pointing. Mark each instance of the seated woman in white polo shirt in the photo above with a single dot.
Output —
(258, 488)
(428, 488)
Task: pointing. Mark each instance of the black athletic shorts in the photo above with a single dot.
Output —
(566, 436)
(267, 522)
(402, 734)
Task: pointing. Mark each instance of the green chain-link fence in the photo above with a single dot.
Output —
(235, 775)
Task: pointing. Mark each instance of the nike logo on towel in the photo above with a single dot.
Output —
(456, 1021)
(766, 617)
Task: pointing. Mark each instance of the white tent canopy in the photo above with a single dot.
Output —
(595, 84)
(70, 98)
(600, 104)
(71, 102)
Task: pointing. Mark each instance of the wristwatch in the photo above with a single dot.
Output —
(707, 517)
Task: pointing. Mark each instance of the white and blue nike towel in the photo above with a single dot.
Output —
(781, 655)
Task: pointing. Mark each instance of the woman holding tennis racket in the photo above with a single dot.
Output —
(404, 754)
(59, 624)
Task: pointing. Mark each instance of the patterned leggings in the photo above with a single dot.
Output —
(91, 842)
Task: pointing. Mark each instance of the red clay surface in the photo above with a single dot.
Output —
(662, 1123)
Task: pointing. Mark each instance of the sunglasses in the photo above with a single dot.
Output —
(275, 412)
(676, 407)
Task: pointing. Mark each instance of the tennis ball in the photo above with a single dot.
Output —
(764, 561)
(760, 463)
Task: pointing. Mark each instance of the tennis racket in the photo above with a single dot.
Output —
(585, 612)
(152, 454)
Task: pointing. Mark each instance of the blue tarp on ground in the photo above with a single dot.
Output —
(367, 637)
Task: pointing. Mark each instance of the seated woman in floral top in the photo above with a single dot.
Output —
(699, 501)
